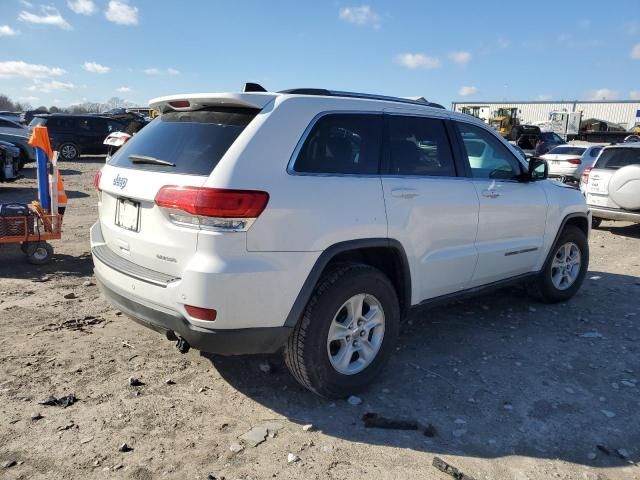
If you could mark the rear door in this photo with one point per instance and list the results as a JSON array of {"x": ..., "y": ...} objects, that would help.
[
  {"x": 177, "y": 148},
  {"x": 512, "y": 215},
  {"x": 430, "y": 209}
]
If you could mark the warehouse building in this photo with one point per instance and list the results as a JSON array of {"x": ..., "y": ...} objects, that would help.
[{"x": 626, "y": 113}]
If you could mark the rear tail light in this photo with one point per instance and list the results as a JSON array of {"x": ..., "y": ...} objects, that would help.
[
  {"x": 201, "y": 313},
  {"x": 574, "y": 161},
  {"x": 96, "y": 180},
  {"x": 180, "y": 104},
  {"x": 585, "y": 175},
  {"x": 212, "y": 208}
]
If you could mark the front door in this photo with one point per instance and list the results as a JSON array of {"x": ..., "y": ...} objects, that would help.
[{"x": 512, "y": 217}]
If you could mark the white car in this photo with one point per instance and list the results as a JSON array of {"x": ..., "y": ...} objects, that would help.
[
  {"x": 612, "y": 186},
  {"x": 315, "y": 220},
  {"x": 569, "y": 161}
]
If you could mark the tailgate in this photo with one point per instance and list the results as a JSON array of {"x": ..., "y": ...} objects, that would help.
[{"x": 136, "y": 229}]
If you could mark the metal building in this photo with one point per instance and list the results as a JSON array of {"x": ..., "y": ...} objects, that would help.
[{"x": 624, "y": 112}]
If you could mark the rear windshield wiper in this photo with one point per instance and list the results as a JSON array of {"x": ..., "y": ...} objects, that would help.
[{"x": 151, "y": 160}]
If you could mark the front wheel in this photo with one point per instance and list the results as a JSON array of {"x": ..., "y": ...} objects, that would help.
[
  {"x": 347, "y": 332},
  {"x": 38, "y": 253},
  {"x": 565, "y": 269}
]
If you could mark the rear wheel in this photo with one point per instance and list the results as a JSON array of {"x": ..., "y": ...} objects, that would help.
[
  {"x": 347, "y": 332},
  {"x": 69, "y": 151},
  {"x": 565, "y": 269}
]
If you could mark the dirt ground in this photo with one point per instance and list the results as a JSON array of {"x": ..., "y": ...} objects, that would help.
[{"x": 514, "y": 389}]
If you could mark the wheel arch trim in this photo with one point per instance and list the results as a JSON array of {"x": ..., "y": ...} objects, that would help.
[{"x": 328, "y": 254}]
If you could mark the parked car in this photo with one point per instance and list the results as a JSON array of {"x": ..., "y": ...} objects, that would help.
[
  {"x": 15, "y": 116},
  {"x": 569, "y": 161},
  {"x": 75, "y": 135},
  {"x": 527, "y": 141},
  {"x": 18, "y": 135},
  {"x": 313, "y": 221},
  {"x": 612, "y": 186}
]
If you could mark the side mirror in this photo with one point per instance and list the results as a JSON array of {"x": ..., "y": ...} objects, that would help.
[{"x": 538, "y": 169}]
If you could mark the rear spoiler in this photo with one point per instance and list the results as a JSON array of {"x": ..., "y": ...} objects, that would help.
[{"x": 186, "y": 102}]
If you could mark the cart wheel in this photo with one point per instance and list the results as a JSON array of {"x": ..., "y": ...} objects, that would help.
[{"x": 40, "y": 253}]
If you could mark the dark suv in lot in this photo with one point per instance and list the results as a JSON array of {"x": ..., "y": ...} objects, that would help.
[{"x": 75, "y": 135}]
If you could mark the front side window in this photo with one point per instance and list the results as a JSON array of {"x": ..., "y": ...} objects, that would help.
[
  {"x": 342, "y": 143},
  {"x": 488, "y": 157},
  {"x": 419, "y": 146}
]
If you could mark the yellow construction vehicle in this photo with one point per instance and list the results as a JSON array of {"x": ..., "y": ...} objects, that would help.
[{"x": 504, "y": 120}]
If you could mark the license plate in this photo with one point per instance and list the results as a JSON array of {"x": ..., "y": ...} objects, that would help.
[
  {"x": 128, "y": 214},
  {"x": 555, "y": 162},
  {"x": 597, "y": 200}
]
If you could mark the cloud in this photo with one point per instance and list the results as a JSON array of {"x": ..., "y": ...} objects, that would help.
[
  {"x": 29, "y": 98},
  {"x": 7, "y": 31},
  {"x": 94, "y": 67},
  {"x": 48, "y": 16},
  {"x": 461, "y": 58},
  {"x": 13, "y": 69},
  {"x": 362, "y": 15},
  {"x": 544, "y": 97},
  {"x": 173, "y": 71},
  {"x": 123, "y": 90},
  {"x": 26, "y": 4},
  {"x": 120, "y": 12},
  {"x": 467, "y": 91},
  {"x": 634, "y": 94},
  {"x": 603, "y": 94},
  {"x": 635, "y": 52},
  {"x": 417, "y": 60},
  {"x": 82, "y": 7},
  {"x": 43, "y": 86},
  {"x": 152, "y": 71}
]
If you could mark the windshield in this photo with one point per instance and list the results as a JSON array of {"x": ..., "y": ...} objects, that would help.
[
  {"x": 615, "y": 158},
  {"x": 567, "y": 151},
  {"x": 190, "y": 143}
]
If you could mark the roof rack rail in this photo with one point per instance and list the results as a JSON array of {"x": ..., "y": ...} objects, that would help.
[{"x": 334, "y": 93}]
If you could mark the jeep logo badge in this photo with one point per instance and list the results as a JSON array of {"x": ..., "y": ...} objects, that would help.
[{"x": 120, "y": 182}]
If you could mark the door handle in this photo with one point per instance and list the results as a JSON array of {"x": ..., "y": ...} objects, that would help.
[
  {"x": 490, "y": 193},
  {"x": 404, "y": 192}
]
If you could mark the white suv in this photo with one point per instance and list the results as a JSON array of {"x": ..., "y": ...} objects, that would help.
[{"x": 315, "y": 220}]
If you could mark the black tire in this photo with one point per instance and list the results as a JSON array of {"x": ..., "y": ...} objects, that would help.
[
  {"x": 69, "y": 151},
  {"x": 595, "y": 222},
  {"x": 38, "y": 253},
  {"x": 543, "y": 287},
  {"x": 306, "y": 352}
]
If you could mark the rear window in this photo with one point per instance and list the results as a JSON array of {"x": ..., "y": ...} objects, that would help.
[
  {"x": 190, "y": 143},
  {"x": 615, "y": 158},
  {"x": 567, "y": 151}
]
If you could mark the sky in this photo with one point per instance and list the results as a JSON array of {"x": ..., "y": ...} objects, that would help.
[{"x": 63, "y": 52}]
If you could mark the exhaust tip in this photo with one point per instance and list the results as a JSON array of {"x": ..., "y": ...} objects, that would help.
[{"x": 182, "y": 345}]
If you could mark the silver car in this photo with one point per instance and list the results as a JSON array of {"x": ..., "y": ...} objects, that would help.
[
  {"x": 569, "y": 161},
  {"x": 13, "y": 132},
  {"x": 612, "y": 186}
]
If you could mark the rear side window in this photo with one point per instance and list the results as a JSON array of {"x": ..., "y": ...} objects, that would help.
[
  {"x": 342, "y": 143},
  {"x": 190, "y": 143},
  {"x": 419, "y": 146},
  {"x": 615, "y": 158}
]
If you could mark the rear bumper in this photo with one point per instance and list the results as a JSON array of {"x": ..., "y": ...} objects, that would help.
[
  {"x": 173, "y": 325},
  {"x": 614, "y": 214}
]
